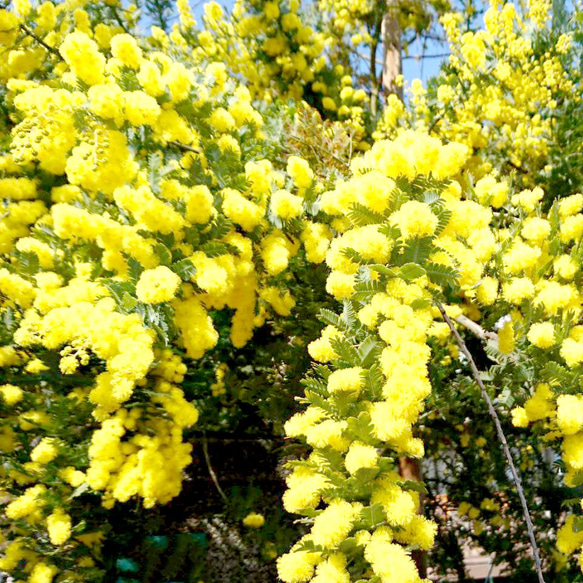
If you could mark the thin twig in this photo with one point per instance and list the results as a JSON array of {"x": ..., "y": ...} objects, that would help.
[
  {"x": 333, "y": 156},
  {"x": 119, "y": 19},
  {"x": 207, "y": 458},
  {"x": 40, "y": 41},
  {"x": 501, "y": 437},
  {"x": 517, "y": 167},
  {"x": 184, "y": 147}
]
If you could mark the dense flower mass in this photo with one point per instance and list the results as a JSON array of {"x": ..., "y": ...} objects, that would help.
[
  {"x": 363, "y": 403},
  {"x": 162, "y": 200}
]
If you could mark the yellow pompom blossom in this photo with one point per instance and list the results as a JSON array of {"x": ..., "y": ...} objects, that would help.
[
  {"x": 487, "y": 291},
  {"x": 569, "y": 413},
  {"x": 297, "y": 567},
  {"x": 10, "y": 394},
  {"x": 316, "y": 239},
  {"x": 286, "y": 205},
  {"x": 569, "y": 540},
  {"x": 332, "y": 526},
  {"x": 390, "y": 562},
  {"x": 42, "y": 573},
  {"x": 140, "y": 108},
  {"x": 300, "y": 171},
  {"x": 518, "y": 289},
  {"x": 572, "y": 352},
  {"x": 29, "y": 503},
  {"x": 347, "y": 379},
  {"x": 321, "y": 349},
  {"x": 304, "y": 485},
  {"x": 241, "y": 211},
  {"x": 157, "y": 285},
  {"x": 542, "y": 334},
  {"x": 538, "y": 407},
  {"x": 333, "y": 569},
  {"x": 360, "y": 456},
  {"x": 489, "y": 191},
  {"x": 125, "y": 48},
  {"x": 59, "y": 527},
  {"x": 415, "y": 219},
  {"x": 45, "y": 452},
  {"x": 82, "y": 54},
  {"x": 254, "y": 520},
  {"x": 506, "y": 341}
]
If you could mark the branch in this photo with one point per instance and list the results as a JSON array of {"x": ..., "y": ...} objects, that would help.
[
  {"x": 40, "y": 41},
  {"x": 373, "y": 78},
  {"x": 207, "y": 458},
  {"x": 501, "y": 437},
  {"x": 364, "y": 57},
  {"x": 421, "y": 57},
  {"x": 476, "y": 328},
  {"x": 433, "y": 124}
]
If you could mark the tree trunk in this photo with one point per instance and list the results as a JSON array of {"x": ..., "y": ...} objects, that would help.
[
  {"x": 410, "y": 469},
  {"x": 391, "y": 35}
]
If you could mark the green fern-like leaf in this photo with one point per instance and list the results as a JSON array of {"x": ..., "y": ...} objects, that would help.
[
  {"x": 431, "y": 198},
  {"x": 329, "y": 317},
  {"x": 347, "y": 354},
  {"x": 375, "y": 380},
  {"x": 349, "y": 315},
  {"x": 220, "y": 228},
  {"x": 411, "y": 271},
  {"x": 391, "y": 231},
  {"x": 384, "y": 270},
  {"x": 216, "y": 249},
  {"x": 322, "y": 371},
  {"x": 315, "y": 385},
  {"x": 365, "y": 290},
  {"x": 361, "y": 427},
  {"x": 369, "y": 351},
  {"x": 555, "y": 373},
  {"x": 399, "y": 196},
  {"x": 128, "y": 80},
  {"x": 360, "y": 216},
  {"x": 442, "y": 275},
  {"x": 155, "y": 160},
  {"x": 371, "y": 517},
  {"x": 354, "y": 256},
  {"x": 444, "y": 216},
  {"x": 414, "y": 251},
  {"x": 164, "y": 254}
]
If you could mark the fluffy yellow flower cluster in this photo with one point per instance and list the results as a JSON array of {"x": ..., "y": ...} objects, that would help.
[
  {"x": 371, "y": 386},
  {"x": 132, "y": 457},
  {"x": 280, "y": 55},
  {"x": 135, "y": 205},
  {"x": 498, "y": 85},
  {"x": 537, "y": 288},
  {"x": 293, "y": 51}
]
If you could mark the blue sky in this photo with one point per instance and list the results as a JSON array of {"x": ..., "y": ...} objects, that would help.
[{"x": 423, "y": 68}]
